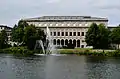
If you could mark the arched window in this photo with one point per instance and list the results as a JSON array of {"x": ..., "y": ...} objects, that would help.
[
  {"x": 66, "y": 42},
  {"x": 70, "y": 41},
  {"x": 78, "y": 43},
  {"x": 74, "y": 42},
  {"x": 54, "y": 41},
  {"x": 62, "y": 42},
  {"x": 58, "y": 42}
]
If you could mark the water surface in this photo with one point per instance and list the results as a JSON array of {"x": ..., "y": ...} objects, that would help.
[{"x": 59, "y": 67}]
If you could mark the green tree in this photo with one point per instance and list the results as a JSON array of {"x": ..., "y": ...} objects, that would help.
[
  {"x": 97, "y": 36},
  {"x": 115, "y": 36},
  {"x": 18, "y": 31},
  {"x": 22, "y": 24},
  {"x": 29, "y": 32},
  {"x": 40, "y": 35},
  {"x": 3, "y": 39},
  {"x": 103, "y": 36},
  {"x": 91, "y": 37},
  {"x": 27, "y": 35}
]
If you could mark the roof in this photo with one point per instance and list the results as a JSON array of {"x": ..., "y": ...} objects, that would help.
[
  {"x": 79, "y": 18},
  {"x": 5, "y": 26}
]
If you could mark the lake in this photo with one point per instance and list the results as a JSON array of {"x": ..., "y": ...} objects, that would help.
[{"x": 59, "y": 67}]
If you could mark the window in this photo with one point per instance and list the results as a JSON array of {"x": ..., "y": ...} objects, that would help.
[
  {"x": 54, "y": 33},
  {"x": 62, "y": 24},
  {"x": 66, "y": 33},
  {"x": 70, "y": 33},
  {"x": 86, "y": 24},
  {"x": 58, "y": 33},
  {"x": 80, "y": 24},
  {"x": 78, "y": 33},
  {"x": 82, "y": 33},
  {"x": 74, "y": 33},
  {"x": 51, "y": 33},
  {"x": 45, "y": 24},
  {"x": 82, "y": 46},
  {"x": 74, "y": 24},
  {"x": 40, "y": 24},
  {"x": 62, "y": 33},
  {"x": 56, "y": 24},
  {"x": 50, "y": 24},
  {"x": 68, "y": 24}
]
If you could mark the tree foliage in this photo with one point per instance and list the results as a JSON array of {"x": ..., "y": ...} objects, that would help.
[
  {"x": 29, "y": 31},
  {"x": 18, "y": 31},
  {"x": 115, "y": 36},
  {"x": 97, "y": 36},
  {"x": 27, "y": 34},
  {"x": 3, "y": 39}
]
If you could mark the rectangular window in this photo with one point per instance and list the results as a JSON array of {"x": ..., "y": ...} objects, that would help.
[
  {"x": 70, "y": 33},
  {"x": 74, "y": 34},
  {"x": 54, "y": 33},
  {"x": 62, "y": 33},
  {"x": 82, "y": 33},
  {"x": 66, "y": 33},
  {"x": 51, "y": 33},
  {"x": 58, "y": 33},
  {"x": 78, "y": 33}
]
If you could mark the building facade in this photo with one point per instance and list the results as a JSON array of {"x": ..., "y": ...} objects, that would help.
[
  {"x": 66, "y": 29},
  {"x": 8, "y": 31}
]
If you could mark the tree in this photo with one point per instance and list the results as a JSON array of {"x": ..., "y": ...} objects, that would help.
[
  {"x": 97, "y": 36},
  {"x": 18, "y": 31},
  {"x": 3, "y": 39},
  {"x": 29, "y": 32},
  {"x": 22, "y": 24},
  {"x": 26, "y": 34},
  {"x": 41, "y": 35},
  {"x": 92, "y": 35},
  {"x": 115, "y": 36},
  {"x": 103, "y": 36}
]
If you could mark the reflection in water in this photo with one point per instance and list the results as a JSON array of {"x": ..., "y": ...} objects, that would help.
[
  {"x": 65, "y": 67},
  {"x": 104, "y": 68},
  {"x": 59, "y": 67}
]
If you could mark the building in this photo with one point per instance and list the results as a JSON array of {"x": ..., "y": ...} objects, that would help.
[
  {"x": 66, "y": 29},
  {"x": 8, "y": 31}
]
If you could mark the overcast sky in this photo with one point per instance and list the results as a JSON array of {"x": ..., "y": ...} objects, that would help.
[{"x": 11, "y": 11}]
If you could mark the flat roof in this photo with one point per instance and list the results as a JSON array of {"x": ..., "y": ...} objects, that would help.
[{"x": 67, "y": 18}]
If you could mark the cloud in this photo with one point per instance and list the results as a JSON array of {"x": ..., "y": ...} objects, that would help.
[
  {"x": 12, "y": 11},
  {"x": 53, "y": 1}
]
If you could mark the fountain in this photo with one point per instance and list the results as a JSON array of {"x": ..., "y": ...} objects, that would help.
[
  {"x": 39, "y": 44},
  {"x": 50, "y": 48}
]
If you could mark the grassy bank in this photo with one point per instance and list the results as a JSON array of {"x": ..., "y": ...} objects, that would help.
[
  {"x": 19, "y": 51},
  {"x": 90, "y": 52},
  {"x": 23, "y": 51}
]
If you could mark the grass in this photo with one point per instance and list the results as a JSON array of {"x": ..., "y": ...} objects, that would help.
[
  {"x": 19, "y": 51},
  {"x": 23, "y": 51},
  {"x": 90, "y": 52}
]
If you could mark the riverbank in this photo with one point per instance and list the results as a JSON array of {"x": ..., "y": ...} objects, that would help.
[
  {"x": 19, "y": 51},
  {"x": 23, "y": 51},
  {"x": 91, "y": 52}
]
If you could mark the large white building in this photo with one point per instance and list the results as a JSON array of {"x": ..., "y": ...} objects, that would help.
[{"x": 65, "y": 29}]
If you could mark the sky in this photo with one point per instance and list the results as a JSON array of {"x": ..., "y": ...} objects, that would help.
[{"x": 11, "y": 11}]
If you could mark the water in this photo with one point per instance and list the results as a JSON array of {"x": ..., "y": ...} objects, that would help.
[
  {"x": 59, "y": 67},
  {"x": 51, "y": 49},
  {"x": 39, "y": 44}
]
